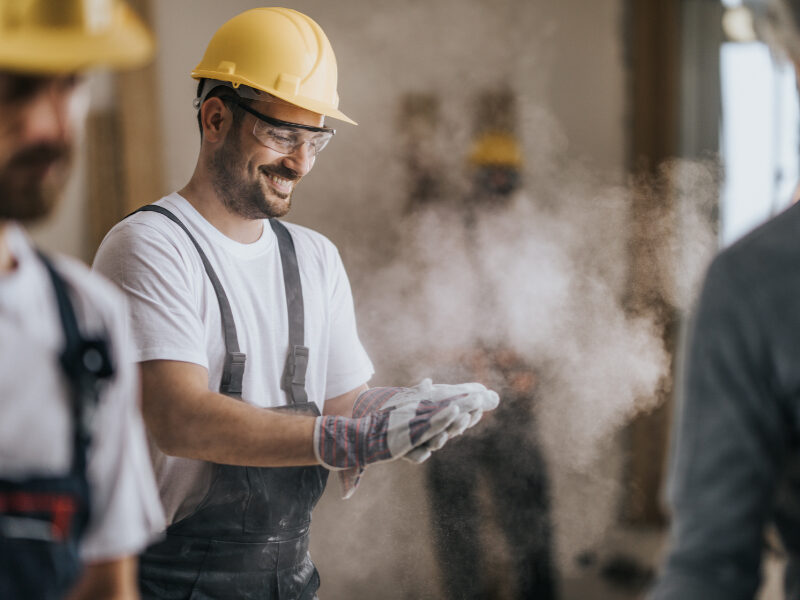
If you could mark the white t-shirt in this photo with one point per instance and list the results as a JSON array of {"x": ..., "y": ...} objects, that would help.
[
  {"x": 35, "y": 421},
  {"x": 175, "y": 316}
]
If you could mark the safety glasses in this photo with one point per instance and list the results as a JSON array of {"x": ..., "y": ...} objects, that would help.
[{"x": 286, "y": 137}]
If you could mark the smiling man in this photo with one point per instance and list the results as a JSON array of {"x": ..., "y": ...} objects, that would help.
[{"x": 254, "y": 378}]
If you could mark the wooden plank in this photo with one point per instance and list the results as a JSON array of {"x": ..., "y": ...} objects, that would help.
[
  {"x": 103, "y": 176},
  {"x": 124, "y": 157},
  {"x": 654, "y": 60},
  {"x": 140, "y": 129}
]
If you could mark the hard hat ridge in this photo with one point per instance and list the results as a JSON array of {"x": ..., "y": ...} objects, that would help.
[{"x": 496, "y": 149}]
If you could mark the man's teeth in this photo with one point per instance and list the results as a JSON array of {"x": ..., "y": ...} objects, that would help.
[{"x": 278, "y": 180}]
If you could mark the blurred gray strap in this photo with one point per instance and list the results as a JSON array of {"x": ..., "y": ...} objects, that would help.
[
  {"x": 233, "y": 367},
  {"x": 294, "y": 373}
]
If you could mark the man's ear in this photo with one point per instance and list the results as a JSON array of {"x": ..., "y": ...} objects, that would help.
[{"x": 216, "y": 119}]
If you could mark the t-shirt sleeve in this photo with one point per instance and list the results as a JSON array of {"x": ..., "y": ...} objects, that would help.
[
  {"x": 126, "y": 510},
  {"x": 349, "y": 365},
  {"x": 155, "y": 272}
]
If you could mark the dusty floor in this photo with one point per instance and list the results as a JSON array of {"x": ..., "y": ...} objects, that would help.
[
  {"x": 377, "y": 545},
  {"x": 621, "y": 569}
]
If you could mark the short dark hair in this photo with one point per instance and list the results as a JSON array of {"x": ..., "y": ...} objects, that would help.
[{"x": 227, "y": 96}]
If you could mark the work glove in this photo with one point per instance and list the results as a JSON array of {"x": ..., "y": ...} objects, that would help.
[
  {"x": 390, "y": 423},
  {"x": 475, "y": 410}
]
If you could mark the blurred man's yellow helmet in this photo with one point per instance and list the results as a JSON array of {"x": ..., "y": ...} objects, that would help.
[
  {"x": 279, "y": 51},
  {"x": 64, "y": 36},
  {"x": 496, "y": 149}
]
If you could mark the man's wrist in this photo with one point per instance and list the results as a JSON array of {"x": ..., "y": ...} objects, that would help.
[
  {"x": 373, "y": 399},
  {"x": 336, "y": 443}
]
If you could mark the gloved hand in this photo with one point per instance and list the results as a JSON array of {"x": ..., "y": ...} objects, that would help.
[
  {"x": 423, "y": 452},
  {"x": 426, "y": 410}
]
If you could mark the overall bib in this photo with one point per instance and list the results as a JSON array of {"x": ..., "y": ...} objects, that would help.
[
  {"x": 42, "y": 519},
  {"x": 248, "y": 537}
]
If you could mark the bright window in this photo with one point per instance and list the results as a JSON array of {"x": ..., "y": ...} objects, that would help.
[{"x": 760, "y": 123}]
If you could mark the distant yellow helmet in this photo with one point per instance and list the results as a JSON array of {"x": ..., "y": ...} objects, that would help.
[
  {"x": 496, "y": 149},
  {"x": 279, "y": 51},
  {"x": 65, "y": 36}
]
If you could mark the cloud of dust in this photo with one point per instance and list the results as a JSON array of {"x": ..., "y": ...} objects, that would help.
[{"x": 546, "y": 277}]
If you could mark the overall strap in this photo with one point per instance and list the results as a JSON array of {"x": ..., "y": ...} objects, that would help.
[
  {"x": 294, "y": 373},
  {"x": 293, "y": 381},
  {"x": 86, "y": 361},
  {"x": 233, "y": 369}
]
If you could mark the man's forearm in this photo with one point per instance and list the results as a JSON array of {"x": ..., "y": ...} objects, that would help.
[
  {"x": 228, "y": 431},
  {"x": 186, "y": 419}
]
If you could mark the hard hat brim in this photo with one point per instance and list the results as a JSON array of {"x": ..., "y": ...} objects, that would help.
[
  {"x": 303, "y": 102},
  {"x": 125, "y": 44},
  {"x": 496, "y": 149}
]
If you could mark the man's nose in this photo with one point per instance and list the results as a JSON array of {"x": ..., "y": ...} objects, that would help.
[
  {"x": 46, "y": 119},
  {"x": 301, "y": 159}
]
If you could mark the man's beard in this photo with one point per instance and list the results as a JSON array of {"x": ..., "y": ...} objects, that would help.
[
  {"x": 31, "y": 182},
  {"x": 247, "y": 198}
]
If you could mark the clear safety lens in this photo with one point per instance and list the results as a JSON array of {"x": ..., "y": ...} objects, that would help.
[{"x": 287, "y": 140}]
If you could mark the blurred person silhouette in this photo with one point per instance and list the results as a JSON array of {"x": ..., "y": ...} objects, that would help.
[
  {"x": 504, "y": 450},
  {"x": 736, "y": 446},
  {"x": 77, "y": 496},
  {"x": 236, "y": 312}
]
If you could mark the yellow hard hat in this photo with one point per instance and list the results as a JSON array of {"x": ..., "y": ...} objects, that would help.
[
  {"x": 279, "y": 51},
  {"x": 65, "y": 36},
  {"x": 496, "y": 149}
]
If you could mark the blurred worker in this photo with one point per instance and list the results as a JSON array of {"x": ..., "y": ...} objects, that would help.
[
  {"x": 235, "y": 312},
  {"x": 736, "y": 452},
  {"x": 77, "y": 496},
  {"x": 504, "y": 450}
]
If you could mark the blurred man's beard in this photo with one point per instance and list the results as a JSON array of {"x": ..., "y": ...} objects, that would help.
[
  {"x": 251, "y": 199},
  {"x": 32, "y": 181}
]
